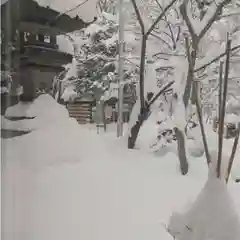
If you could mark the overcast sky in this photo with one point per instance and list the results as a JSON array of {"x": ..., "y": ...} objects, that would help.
[{"x": 86, "y": 11}]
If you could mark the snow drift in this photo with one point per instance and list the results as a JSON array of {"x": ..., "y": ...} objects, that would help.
[
  {"x": 44, "y": 111},
  {"x": 212, "y": 216}
]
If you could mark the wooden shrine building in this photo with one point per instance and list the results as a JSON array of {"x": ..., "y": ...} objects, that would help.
[{"x": 29, "y": 43}]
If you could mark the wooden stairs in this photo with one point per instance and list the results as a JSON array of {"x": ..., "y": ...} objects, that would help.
[{"x": 82, "y": 112}]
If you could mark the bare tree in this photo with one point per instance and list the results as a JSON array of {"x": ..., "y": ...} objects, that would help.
[
  {"x": 145, "y": 106},
  {"x": 195, "y": 40},
  {"x": 223, "y": 86},
  {"x": 192, "y": 46}
]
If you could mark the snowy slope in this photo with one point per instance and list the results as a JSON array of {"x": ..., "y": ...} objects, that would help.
[
  {"x": 70, "y": 183},
  {"x": 111, "y": 194}
]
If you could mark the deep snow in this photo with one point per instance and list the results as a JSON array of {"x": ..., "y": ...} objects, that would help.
[{"x": 63, "y": 181}]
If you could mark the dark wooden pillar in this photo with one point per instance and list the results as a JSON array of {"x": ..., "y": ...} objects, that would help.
[
  {"x": 27, "y": 81},
  {"x": 53, "y": 40},
  {"x": 32, "y": 38},
  {"x": 21, "y": 41},
  {"x": 41, "y": 38}
]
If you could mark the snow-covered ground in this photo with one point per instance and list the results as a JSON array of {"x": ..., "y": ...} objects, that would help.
[{"x": 64, "y": 181}]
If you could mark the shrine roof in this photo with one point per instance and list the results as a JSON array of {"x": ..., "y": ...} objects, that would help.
[{"x": 16, "y": 12}]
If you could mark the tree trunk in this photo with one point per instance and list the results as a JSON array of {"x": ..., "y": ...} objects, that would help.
[
  {"x": 135, "y": 130},
  {"x": 190, "y": 76},
  {"x": 142, "y": 72},
  {"x": 181, "y": 151},
  {"x": 143, "y": 114}
]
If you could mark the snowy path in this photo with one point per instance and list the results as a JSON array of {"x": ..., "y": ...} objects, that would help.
[{"x": 89, "y": 187}]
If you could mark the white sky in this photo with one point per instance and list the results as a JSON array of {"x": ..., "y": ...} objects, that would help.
[{"x": 86, "y": 11}]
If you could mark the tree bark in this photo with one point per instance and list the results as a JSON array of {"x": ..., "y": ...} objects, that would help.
[
  {"x": 181, "y": 151},
  {"x": 136, "y": 128},
  {"x": 142, "y": 71},
  {"x": 142, "y": 116},
  {"x": 134, "y": 133}
]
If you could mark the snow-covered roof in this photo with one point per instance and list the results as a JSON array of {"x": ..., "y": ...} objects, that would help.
[{"x": 85, "y": 9}]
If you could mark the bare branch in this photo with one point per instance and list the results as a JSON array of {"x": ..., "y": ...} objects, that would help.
[
  {"x": 99, "y": 4},
  {"x": 168, "y": 54},
  {"x": 209, "y": 94},
  {"x": 201, "y": 8},
  {"x": 187, "y": 46},
  {"x": 234, "y": 149},
  {"x": 178, "y": 33},
  {"x": 160, "y": 16},
  {"x": 216, "y": 59},
  {"x": 162, "y": 40},
  {"x": 196, "y": 38},
  {"x": 126, "y": 59},
  {"x": 140, "y": 20},
  {"x": 223, "y": 107},
  {"x": 213, "y": 18},
  {"x": 167, "y": 34},
  {"x": 230, "y": 15},
  {"x": 191, "y": 55},
  {"x": 183, "y": 11},
  {"x": 168, "y": 24},
  {"x": 161, "y": 91},
  {"x": 197, "y": 100},
  {"x": 220, "y": 129},
  {"x": 204, "y": 138}
]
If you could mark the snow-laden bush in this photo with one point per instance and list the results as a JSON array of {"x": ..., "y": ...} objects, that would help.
[{"x": 69, "y": 94}]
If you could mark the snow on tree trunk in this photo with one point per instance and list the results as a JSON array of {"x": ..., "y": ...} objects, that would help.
[
  {"x": 179, "y": 115},
  {"x": 212, "y": 216},
  {"x": 133, "y": 125},
  {"x": 135, "y": 112}
]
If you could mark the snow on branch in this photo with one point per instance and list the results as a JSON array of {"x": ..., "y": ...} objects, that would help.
[
  {"x": 169, "y": 27},
  {"x": 139, "y": 17},
  {"x": 211, "y": 16},
  {"x": 198, "y": 28},
  {"x": 161, "y": 91},
  {"x": 186, "y": 18},
  {"x": 215, "y": 59},
  {"x": 160, "y": 16}
]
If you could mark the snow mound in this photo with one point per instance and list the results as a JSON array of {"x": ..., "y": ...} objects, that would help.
[
  {"x": 18, "y": 110},
  {"x": 105, "y": 193},
  {"x": 212, "y": 216},
  {"x": 195, "y": 148},
  {"x": 147, "y": 134},
  {"x": 44, "y": 111},
  {"x": 50, "y": 145},
  {"x": 39, "y": 106}
]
